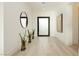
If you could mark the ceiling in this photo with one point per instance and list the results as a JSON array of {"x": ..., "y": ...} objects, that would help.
[{"x": 43, "y": 6}]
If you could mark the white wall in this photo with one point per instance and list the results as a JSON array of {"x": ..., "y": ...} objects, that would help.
[
  {"x": 1, "y": 28},
  {"x": 66, "y": 36},
  {"x": 75, "y": 23},
  {"x": 12, "y": 26}
]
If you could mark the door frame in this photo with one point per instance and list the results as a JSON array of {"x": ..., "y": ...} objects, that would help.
[{"x": 38, "y": 26}]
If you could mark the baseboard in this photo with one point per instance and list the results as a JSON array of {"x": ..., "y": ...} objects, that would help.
[{"x": 68, "y": 44}]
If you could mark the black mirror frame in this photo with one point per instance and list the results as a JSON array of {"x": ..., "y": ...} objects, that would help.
[{"x": 23, "y": 17}]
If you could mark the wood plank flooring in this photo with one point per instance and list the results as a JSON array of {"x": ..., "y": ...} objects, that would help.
[{"x": 47, "y": 46}]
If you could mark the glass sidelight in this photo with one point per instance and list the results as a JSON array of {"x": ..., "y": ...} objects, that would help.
[{"x": 43, "y": 26}]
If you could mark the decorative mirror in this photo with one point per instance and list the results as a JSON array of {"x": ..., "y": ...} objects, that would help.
[
  {"x": 23, "y": 19},
  {"x": 60, "y": 23}
]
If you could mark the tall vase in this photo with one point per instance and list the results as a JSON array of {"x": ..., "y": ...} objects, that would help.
[
  {"x": 23, "y": 45},
  {"x": 29, "y": 38},
  {"x": 33, "y": 34}
]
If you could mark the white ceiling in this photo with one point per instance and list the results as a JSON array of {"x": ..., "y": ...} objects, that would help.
[{"x": 42, "y": 6}]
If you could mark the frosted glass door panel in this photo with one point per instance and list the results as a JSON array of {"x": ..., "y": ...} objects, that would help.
[{"x": 43, "y": 26}]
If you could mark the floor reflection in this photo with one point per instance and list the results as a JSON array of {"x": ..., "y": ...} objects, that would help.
[{"x": 48, "y": 46}]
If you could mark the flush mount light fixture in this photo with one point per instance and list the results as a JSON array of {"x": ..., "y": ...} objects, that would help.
[
  {"x": 23, "y": 19},
  {"x": 43, "y": 2}
]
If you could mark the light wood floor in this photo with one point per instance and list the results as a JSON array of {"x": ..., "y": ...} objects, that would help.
[{"x": 44, "y": 46}]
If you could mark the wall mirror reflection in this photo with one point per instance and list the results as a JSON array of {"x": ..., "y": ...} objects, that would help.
[{"x": 23, "y": 19}]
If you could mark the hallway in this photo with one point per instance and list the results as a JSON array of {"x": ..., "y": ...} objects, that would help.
[
  {"x": 40, "y": 19},
  {"x": 47, "y": 46}
]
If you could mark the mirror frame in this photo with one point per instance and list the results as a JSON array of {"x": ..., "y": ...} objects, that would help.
[{"x": 23, "y": 17}]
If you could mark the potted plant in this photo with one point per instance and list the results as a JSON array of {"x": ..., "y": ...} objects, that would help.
[{"x": 23, "y": 42}]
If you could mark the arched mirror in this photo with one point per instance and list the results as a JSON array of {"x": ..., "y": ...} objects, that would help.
[{"x": 23, "y": 19}]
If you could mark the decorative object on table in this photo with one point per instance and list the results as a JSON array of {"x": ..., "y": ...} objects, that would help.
[
  {"x": 23, "y": 19},
  {"x": 23, "y": 42},
  {"x": 29, "y": 36},
  {"x": 60, "y": 23},
  {"x": 33, "y": 34}
]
